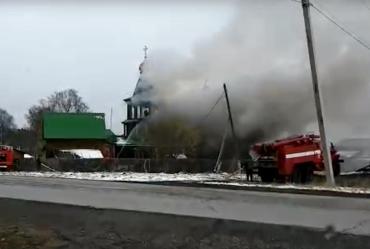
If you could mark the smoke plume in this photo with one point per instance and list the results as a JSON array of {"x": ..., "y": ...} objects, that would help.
[{"x": 262, "y": 56}]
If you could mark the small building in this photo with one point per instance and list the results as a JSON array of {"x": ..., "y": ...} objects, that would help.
[
  {"x": 69, "y": 131},
  {"x": 20, "y": 154}
]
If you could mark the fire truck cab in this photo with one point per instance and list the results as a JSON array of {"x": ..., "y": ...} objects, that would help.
[
  {"x": 291, "y": 159},
  {"x": 7, "y": 160}
]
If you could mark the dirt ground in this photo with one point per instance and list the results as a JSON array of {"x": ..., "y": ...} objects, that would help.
[
  {"x": 26, "y": 225},
  {"x": 28, "y": 237}
]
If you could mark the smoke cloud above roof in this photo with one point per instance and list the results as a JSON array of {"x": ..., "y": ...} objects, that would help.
[{"x": 262, "y": 56}]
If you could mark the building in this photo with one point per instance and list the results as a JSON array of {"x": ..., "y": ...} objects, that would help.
[
  {"x": 356, "y": 154},
  {"x": 138, "y": 105},
  {"x": 137, "y": 110},
  {"x": 68, "y": 131}
]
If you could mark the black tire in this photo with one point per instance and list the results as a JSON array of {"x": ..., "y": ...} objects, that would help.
[
  {"x": 302, "y": 174},
  {"x": 297, "y": 174},
  {"x": 267, "y": 175},
  {"x": 309, "y": 176}
]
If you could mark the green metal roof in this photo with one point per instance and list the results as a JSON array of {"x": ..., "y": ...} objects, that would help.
[
  {"x": 74, "y": 126},
  {"x": 110, "y": 136}
]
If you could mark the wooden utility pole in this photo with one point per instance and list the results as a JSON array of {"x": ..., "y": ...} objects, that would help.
[
  {"x": 235, "y": 138},
  {"x": 111, "y": 118},
  {"x": 221, "y": 152},
  {"x": 318, "y": 101},
  {"x": 1, "y": 133}
]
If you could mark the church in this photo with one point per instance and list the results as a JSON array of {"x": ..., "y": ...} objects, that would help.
[{"x": 138, "y": 105}]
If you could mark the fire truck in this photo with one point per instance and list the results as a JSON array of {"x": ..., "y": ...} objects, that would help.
[
  {"x": 291, "y": 159},
  {"x": 8, "y": 159}
]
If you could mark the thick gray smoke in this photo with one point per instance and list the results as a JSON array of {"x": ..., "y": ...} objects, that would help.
[{"x": 262, "y": 56}]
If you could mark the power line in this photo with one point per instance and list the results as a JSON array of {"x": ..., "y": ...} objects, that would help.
[
  {"x": 353, "y": 36},
  {"x": 366, "y": 4},
  {"x": 331, "y": 19},
  {"x": 211, "y": 109}
]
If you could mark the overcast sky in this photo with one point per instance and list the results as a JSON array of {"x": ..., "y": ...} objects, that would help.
[
  {"x": 96, "y": 46},
  {"x": 93, "y": 47}
]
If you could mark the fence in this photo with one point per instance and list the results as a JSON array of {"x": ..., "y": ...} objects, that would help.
[{"x": 122, "y": 165}]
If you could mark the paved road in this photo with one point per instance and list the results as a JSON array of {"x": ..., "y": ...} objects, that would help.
[{"x": 347, "y": 215}]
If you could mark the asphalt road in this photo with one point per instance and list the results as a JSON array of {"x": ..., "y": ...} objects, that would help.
[{"x": 343, "y": 214}]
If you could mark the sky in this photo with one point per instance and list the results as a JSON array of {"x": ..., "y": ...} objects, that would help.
[
  {"x": 262, "y": 56},
  {"x": 259, "y": 47},
  {"x": 91, "y": 46}
]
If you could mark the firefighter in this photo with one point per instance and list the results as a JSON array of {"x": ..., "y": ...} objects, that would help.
[{"x": 249, "y": 172}]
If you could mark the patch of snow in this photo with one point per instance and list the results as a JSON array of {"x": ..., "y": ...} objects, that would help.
[
  {"x": 85, "y": 153},
  {"x": 120, "y": 141},
  {"x": 133, "y": 176},
  {"x": 27, "y": 156},
  {"x": 181, "y": 156},
  {"x": 222, "y": 179}
]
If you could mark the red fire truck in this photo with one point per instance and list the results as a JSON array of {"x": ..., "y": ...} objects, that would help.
[
  {"x": 8, "y": 159},
  {"x": 291, "y": 159}
]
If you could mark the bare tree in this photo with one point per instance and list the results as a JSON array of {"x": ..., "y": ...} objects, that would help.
[
  {"x": 67, "y": 101},
  {"x": 6, "y": 125}
]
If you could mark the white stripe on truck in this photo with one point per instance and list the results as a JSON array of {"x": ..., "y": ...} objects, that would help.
[{"x": 302, "y": 154}]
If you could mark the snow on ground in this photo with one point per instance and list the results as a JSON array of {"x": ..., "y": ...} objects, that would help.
[
  {"x": 85, "y": 153},
  {"x": 133, "y": 176},
  {"x": 222, "y": 179}
]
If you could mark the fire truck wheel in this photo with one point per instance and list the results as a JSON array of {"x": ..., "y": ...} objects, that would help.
[
  {"x": 309, "y": 174},
  {"x": 296, "y": 177},
  {"x": 267, "y": 175},
  {"x": 303, "y": 173}
]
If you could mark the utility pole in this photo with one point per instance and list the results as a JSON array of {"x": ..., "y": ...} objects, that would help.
[
  {"x": 318, "y": 102},
  {"x": 236, "y": 141},
  {"x": 221, "y": 152},
  {"x": 111, "y": 117},
  {"x": 1, "y": 133}
]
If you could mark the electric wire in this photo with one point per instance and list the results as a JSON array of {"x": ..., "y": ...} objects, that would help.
[
  {"x": 332, "y": 20},
  {"x": 201, "y": 120}
]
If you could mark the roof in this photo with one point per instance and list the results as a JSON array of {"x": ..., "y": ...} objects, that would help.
[
  {"x": 74, "y": 126},
  {"x": 355, "y": 152},
  {"x": 110, "y": 136},
  {"x": 143, "y": 89},
  {"x": 127, "y": 121},
  {"x": 127, "y": 99}
]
